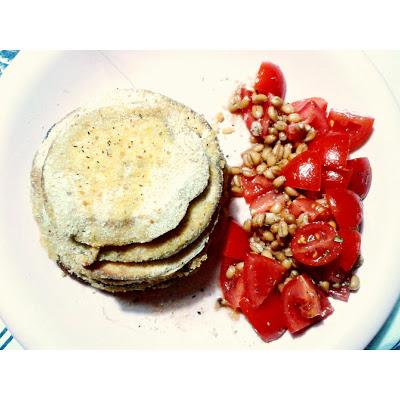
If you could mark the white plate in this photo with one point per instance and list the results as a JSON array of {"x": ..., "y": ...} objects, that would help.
[{"x": 43, "y": 309}]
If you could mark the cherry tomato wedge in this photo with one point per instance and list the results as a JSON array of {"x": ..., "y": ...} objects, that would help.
[
  {"x": 342, "y": 293},
  {"x": 314, "y": 210},
  {"x": 302, "y": 304},
  {"x": 254, "y": 187},
  {"x": 361, "y": 176},
  {"x": 351, "y": 248},
  {"x": 315, "y": 244},
  {"x": 270, "y": 79},
  {"x": 335, "y": 178},
  {"x": 346, "y": 207},
  {"x": 333, "y": 149},
  {"x": 267, "y": 320},
  {"x": 233, "y": 288},
  {"x": 314, "y": 116},
  {"x": 320, "y": 102},
  {"x": 304, "y": 171},
  {"x": 261, "y": 275},
  {"x": 357, "y": 127},
  {"x": 264, "y": 202},
  {"x": 237, "y": 242}
]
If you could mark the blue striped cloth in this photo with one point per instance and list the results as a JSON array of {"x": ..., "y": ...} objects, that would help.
[{"x": 388, "y": 337}]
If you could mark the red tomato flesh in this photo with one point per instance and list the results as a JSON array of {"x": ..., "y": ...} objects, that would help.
[
  {"x": 351, "y": 248},
  {"x": 333, "y": 149},
  {"x": 302, "y": 304},
  {"x": 357, "y": 127},
  {"x": 268, "y": 320},
  {"x": 315, "y": 211},
  {"x": 270, "y": 79},
  {"x": 361, "y": 176},
  {"x": 233, "y": 288},
  {"x": 254, "y": 187},
  {"x": 346, "y": 207},
  {"x": 261, "y": 275},
  {"x": 314, "y": 116},
  {"x": 335, "y": 178},
  {"x": 304, "y": 171},
  {"x": 300, "y": 104},
  {"x": 237, "y": 242},
  {"x": 314, "y": 244},
  {"x": 342, "y": 294},
  {"x": 264, "y": 202}
]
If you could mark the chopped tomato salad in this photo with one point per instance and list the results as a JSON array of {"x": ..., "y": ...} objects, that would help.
[{"x": 302, "y": 244}]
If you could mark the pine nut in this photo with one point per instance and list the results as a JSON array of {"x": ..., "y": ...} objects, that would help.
[
  {"x": 280, "y": 126},
  {"x": 274, "y": 228},
  {"x": 269, "y": 139},
  {"x": 236, "y": 181},
  {"x": 307, "y": 127},
  {"x": 244, "y": 102},
  {"x": 259, "y": 98},
  {"x": 253, "y": 139},
  {"x": 310, "y": 135},
  {"x": 294, "y": 117},
  {"x": 264, "y": 154},
  {"x": 257, "y": 111},
  {"x": 271, "y": 218},
  {"x": 354, "y": 283},
  {"x": 276, "y": 101},
  {"x": 275, "y": 245},
  {"x": 219, "y": 117},
  {"x": 277, "y": 148},
  {"x": 279, "y": 256},
  {"x": 267, "y": 253},
  {"x": 292, "y": 228},
  {"x": 261, "y": 168},
  {"x": 233, "y": 107},
  {"x": 247, "y": 225},
  {"x": 301, "y": 148},
  {"x": 288, "y": 252},
  {"x": 272, "y": 113},
  {"x": 283, "y": 229},
  {"x": 283, "y": 162},
  {"x": 276, "y": 169},
  {"x": 248, "y": 172},
  {"x": 239, "y": 266},
  {"x": 273, "y": 131},
  {"x": 227, "y": 130},
  {"x": 258, "y": 147},
  {"x": 282, "y": 136},
  {"x": 256, "y": 128},
  {"x": 255, "y": 157},
  {"x": 291, "y": 156},
  {"x": 235, "y": 170},
  {"x": 278, "y": 182},
  {"x": 230, "y": 272},
  {"x": 286, "y": 263},
  {"x": 290, "y": 218},
  {"x": 293, "y": 272},
  {"x": 324, "y": 285},
  {"x": 269, "y": 174},
  {"x": 256, "y": 247},
  {"x": 276, "y": 208},
  {"x": 258, "y": 220},
  {"x": 287, "y": 108},
  {"x": 302, "y": 219},
  {"x": 237, "y": 190},
  {"x": 291, "y": 192},
  {"x": 268, "y": 236},
  {"x": 271, "y": 160}
]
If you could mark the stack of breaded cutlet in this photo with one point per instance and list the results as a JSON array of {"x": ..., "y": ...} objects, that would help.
[{"x": 126, "y": 190}]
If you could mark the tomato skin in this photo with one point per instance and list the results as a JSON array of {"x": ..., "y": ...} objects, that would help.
[
  {"x": 261, "y": 275},
  {"x": 315, "y": 211},
  {"x": 357, "y": 127},
  {"x": 232, "y": 289},
  {"x": 237, "y": 242},
  {"x": 314, "y": 244},
  {"x": 304, "y": 171},
  {"x": 333, "y": 149},
  {"x": 314, "y": 116},
  {"x": 335, "y": 178},
  {"x": 264, "y": 202},
  {"x": 302, "y": 304},
  {"x": 270, "y": 79},
  {"x": 361, "y": 176},
  {"x": 254, "y": 187},
  {"x": 300, "y": 104},
  {"x": 346, "y": 207},
  {"x": 351, "y": 249},
  {"x": 268, "y": 319}
]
